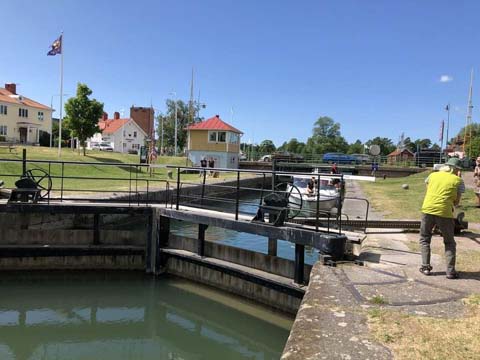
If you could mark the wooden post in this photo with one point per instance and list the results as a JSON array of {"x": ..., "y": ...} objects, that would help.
[
  {"x": 299, "y": 263},
  {"x": 201, "y": 239},
  {"x": 161, "y": 241},
  {"x": 96, "y": 229},
  {"x": 149, "y": 246},
  {"x": 272, "y": 242}
]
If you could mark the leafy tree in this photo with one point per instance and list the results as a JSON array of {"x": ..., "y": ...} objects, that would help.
[
  {"x": 326, "y": 137},
  {"x": 356, "y": 148},
  {"x": 386, "y": 144},
  {"x": 267, "y": 147},
  {"x": 292, "y": 146},
  {"x": 183, "y": 120},
  {"x": 82, "y": 115},
  {"x": 65, "y": 133}
]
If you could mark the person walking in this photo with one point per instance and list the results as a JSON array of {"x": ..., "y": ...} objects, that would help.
[
  {"x": 476, "y": 181},
  {"x": 203, "y": 164},
  {"x": 444, "y": 191},
  {"x": 334, "y": 169}
]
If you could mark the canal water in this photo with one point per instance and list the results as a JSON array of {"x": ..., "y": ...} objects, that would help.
[
  {"x": 248, "y": 206},
  {"x": 71, "y": 315}
]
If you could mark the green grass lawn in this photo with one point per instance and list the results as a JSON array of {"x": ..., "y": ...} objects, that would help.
[
  {"x": 116, "y": 177},
  {"x": 388, "y": 197}
]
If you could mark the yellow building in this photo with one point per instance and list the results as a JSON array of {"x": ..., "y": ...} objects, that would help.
[
  {"x": 214, "y": 139},
  {"x": 22, "y": 119}
]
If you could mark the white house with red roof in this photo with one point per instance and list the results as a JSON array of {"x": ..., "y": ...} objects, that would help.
[
  {"x": 124, "y": 135},
  {"x": 22, "y": 119},
  {"x": 214, "y": 139}
]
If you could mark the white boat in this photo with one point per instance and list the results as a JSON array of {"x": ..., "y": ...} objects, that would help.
[{"x": 329, "y": 193}]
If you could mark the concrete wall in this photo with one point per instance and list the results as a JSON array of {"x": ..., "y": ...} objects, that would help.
[
  {"x": 271, "y": 264},
  {"x": 98, "y": 262},
  {"x": 234, "y": 285}
]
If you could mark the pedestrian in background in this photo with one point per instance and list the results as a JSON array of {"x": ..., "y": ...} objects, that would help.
[
  {"x": 203, "y": 165},
  {"x": 444, "y": 191},
  {"x": 476, "y": 180}
]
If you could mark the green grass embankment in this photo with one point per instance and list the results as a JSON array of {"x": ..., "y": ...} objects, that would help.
[
  {"x": 118, "y": 174},
  {"x": 394, "y": 202}
]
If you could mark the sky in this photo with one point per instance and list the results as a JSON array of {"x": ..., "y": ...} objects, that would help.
[{"x": 377, "y": 67}]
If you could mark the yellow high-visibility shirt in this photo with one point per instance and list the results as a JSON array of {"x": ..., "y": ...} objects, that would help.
[{"x": 442, "y": 191}]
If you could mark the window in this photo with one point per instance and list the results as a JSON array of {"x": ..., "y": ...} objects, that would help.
[
  {"x": 134, "y": 134},
  {"x": 217, "y": 136},
  {"x": 135, "y": 146},
  {"x": 212, "y": 136},
  {"x": 222, "y": 136},
  {"x": 234, "y": 138},
  {"x": 3, "y": 130},
  {"x": 40, "y": 115},
  {"x": 3, "y": 109},
  {"x": 23, "y": 113}
]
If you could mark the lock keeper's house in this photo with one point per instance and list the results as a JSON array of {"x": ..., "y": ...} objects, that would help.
[{"x": 214, "y": 138}]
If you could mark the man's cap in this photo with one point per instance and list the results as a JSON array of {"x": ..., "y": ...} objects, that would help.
[{"x": 454, "y": 162}]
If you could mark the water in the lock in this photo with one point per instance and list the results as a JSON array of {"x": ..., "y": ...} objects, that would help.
[{"x": 131, "y": 316}]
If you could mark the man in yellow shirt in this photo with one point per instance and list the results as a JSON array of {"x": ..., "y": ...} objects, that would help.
[{"x": 444, "y": 191}]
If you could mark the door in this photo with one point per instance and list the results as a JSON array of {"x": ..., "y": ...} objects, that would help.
[{"x": 23, "y": 135}]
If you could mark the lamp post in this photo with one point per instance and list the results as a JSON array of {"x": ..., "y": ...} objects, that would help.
[{"x": 176, "y": 125}]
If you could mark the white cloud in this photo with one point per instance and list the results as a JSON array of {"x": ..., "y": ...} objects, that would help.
[{"x": 445, "y": 78}]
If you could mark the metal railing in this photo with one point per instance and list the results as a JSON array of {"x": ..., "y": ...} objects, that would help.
[
  {"x": 135, "y": 188},
  {"x": 229, "y": 194}
]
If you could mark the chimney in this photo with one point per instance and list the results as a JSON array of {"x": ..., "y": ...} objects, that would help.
[
  {"x": 104, "y": 116},
  {"x": 116, "y": 115},
  {"x": 12, "y": 87}
]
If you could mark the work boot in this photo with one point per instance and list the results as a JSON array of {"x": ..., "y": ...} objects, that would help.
[
  {"x": 426, "y": 270},
  {"x": 452, "y": 275}
]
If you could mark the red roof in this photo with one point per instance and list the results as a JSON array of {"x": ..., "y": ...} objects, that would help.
[
  {"x": 111, "y": 126},
  {"x": 214, "y": 123},
  {"x": 400, "y": 152},
  {"x": 8, "y": 97}
]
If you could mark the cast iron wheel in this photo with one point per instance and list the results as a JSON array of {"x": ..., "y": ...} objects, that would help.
[
  {"x": 42, "y": 179},
  {"x": 293, "y": 208}
]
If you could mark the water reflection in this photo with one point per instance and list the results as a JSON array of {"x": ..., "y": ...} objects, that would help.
[{"x": 131, "y": 316}]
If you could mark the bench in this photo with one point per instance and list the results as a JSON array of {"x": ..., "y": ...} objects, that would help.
[{"x": 9, "y": 146}]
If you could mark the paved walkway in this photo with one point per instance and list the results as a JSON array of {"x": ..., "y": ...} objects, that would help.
[{"x": 332, "y": 320}]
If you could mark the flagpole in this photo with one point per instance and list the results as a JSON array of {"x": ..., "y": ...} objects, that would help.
[
  {"x": 61, "y": 100},
  {"x": 448, "y": 125}
]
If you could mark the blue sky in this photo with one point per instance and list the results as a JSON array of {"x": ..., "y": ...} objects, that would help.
[{"x": 373, "y": 66}]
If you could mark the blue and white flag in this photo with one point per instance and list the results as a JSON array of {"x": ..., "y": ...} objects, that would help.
[{"x": 56, "y": 47}]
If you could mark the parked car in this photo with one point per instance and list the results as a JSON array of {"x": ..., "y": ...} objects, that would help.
[
  {"x": 105, "y": 147},
  {"x": 362, "y": 158},
  {"x": 94, "y": 146},
  {"x": 266, "y": 158},
  {"x": 339, "y": 158},
  {"x": 242, "y": 156}
]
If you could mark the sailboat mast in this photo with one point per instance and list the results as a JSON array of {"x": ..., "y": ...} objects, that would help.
[
  {"x": 190, "y": 110},
  {"x": 468, "y": 125}
]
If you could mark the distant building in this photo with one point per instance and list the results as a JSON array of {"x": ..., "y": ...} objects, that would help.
[
  {"x": 123, "y": 135},
  {"x": 400, "y": 155},
  {"x": 22, "y": 119},
  {"x": 214, "y": 138},
  {"x": 145, "y": 118}
]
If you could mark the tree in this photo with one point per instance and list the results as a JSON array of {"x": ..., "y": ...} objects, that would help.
[
  {"x": 356, "y": 148},
  {"x": 65, "y": 133},
  {"x": 267, "y": 147},
  {"x": 326, "y": 137},
  {"x": 386, "y": 144},
  {"x": 82, "y": 115},
  {"x": 183, "y": 120}
]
